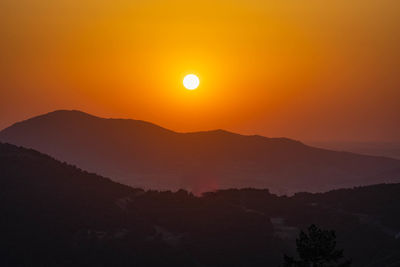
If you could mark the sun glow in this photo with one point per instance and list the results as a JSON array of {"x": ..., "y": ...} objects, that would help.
[{"x": 191, "y": 82}]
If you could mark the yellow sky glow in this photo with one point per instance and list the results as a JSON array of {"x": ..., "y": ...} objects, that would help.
[{"x": 315, "y": 70}]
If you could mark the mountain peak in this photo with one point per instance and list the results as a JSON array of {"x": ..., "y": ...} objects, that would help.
[
  {"x": 65, "y": 113},
  {"x": 69, "y": 112},
  {"x": 143, "y": 154}
]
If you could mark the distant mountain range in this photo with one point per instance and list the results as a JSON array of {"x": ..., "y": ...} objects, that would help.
[
  {"x": 385, "y": 149},
  {"x": 142, "y": 154},
  {"x": 54, "y": 214}
]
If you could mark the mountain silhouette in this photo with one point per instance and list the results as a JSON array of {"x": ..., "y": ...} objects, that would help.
[
  {"x": 142, "y": 154},
  {"x": 55, "y": 214}
]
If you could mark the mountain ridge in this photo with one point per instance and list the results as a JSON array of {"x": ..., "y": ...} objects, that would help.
[
  {"x": 55, "y": 214},
  {"x": 143, "y": 154},
  {"x": 82, "y": 114}
]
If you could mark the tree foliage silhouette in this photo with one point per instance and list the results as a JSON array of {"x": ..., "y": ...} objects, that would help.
[{"x": 317, "y": 248}]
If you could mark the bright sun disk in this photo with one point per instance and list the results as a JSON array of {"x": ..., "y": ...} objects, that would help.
[{"x": 191, "y": 81}]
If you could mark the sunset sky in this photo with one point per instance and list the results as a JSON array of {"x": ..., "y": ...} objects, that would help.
[{"x": 308, "y": 70}]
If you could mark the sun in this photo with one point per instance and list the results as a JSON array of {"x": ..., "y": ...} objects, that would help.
[{"x": 191, "y": 81}]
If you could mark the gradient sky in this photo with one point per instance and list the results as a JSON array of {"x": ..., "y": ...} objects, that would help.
[{"x": 308, "y": 70}]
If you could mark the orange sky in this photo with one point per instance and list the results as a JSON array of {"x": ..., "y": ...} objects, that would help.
[{"x": 309, "y": 70}]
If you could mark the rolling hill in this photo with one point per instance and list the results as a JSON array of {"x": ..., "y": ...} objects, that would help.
[
  {"x": 145, "y": 155},
  {"x": 54, "y": 214}
]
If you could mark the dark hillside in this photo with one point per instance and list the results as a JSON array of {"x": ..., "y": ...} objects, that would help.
[{"x": 141, "y": 154}]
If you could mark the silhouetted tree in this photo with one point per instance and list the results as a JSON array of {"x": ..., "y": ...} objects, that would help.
[{"x": 317, "y": 248}]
